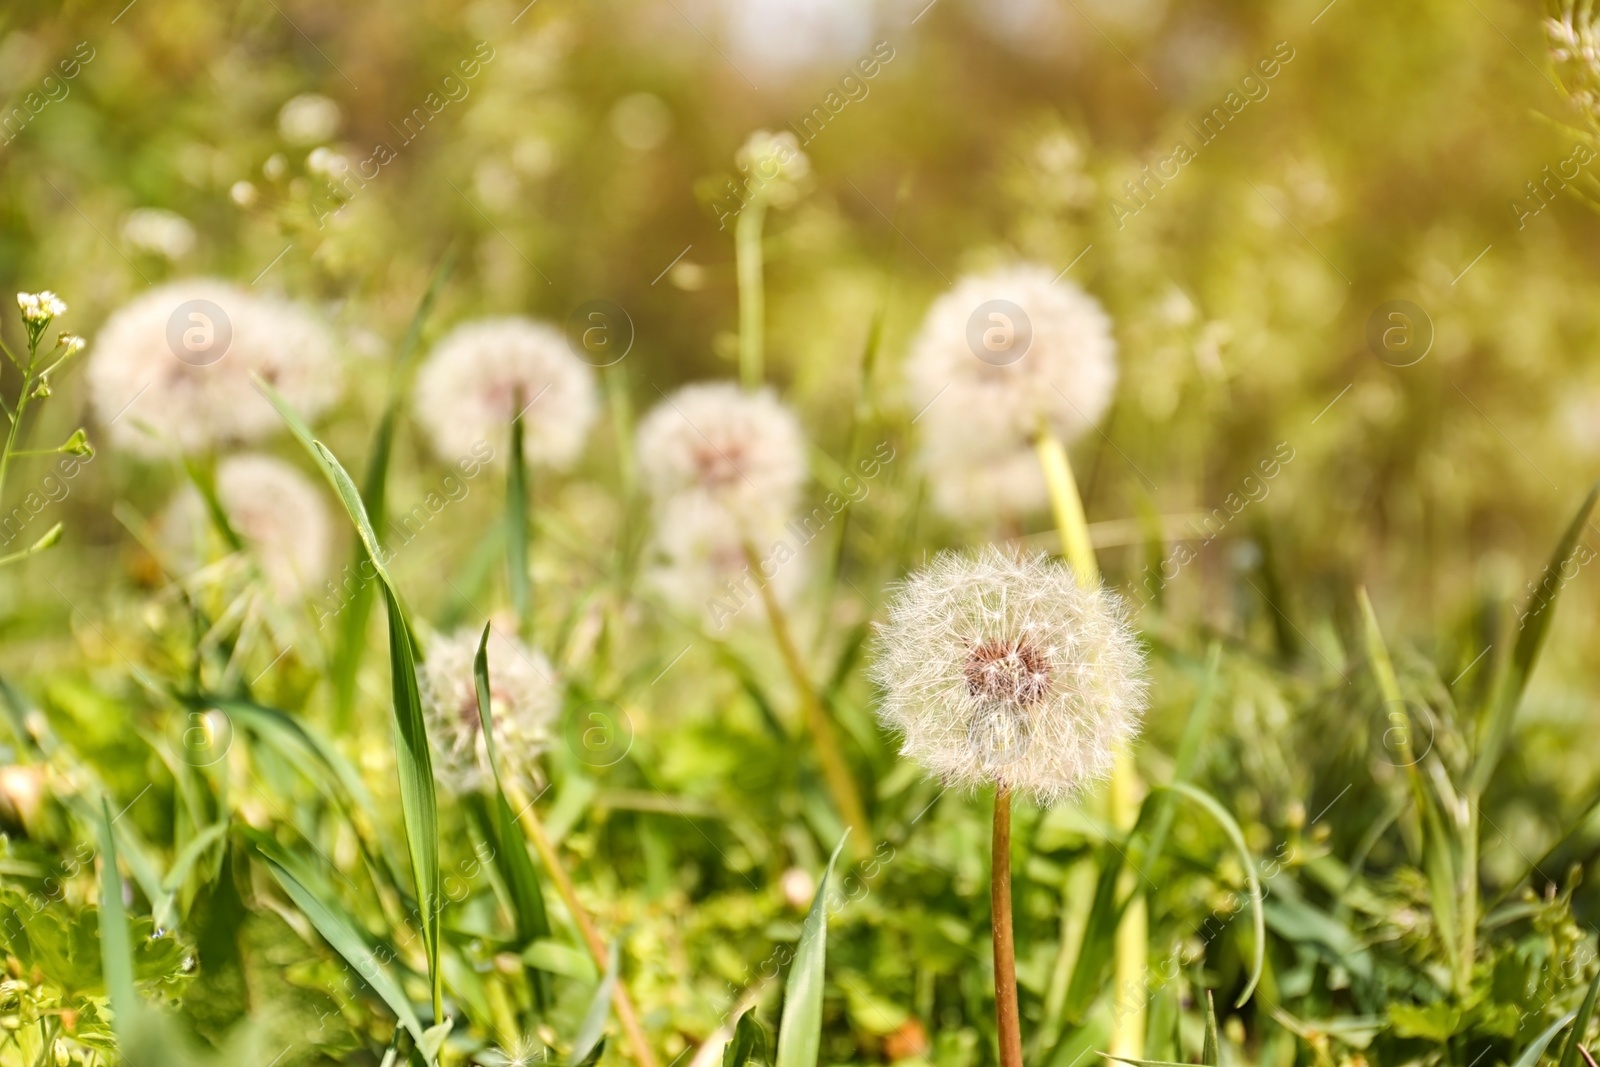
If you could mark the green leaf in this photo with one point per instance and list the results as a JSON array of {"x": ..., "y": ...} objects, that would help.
[
  {"x": 591, "y": 1031},
  {"x": 1580, "y": 1026},
  {"x": 1236, "y": 836},
  {"x": 1535, "y": 627},
  {"x": 749, "y": 1042},
  {"x": 336, "y": 926},
  {"x": 1435, "y": 1022},
  {"x": 50, "y": 539},
  {"x": 419, "y": 803},
  {"x": 800, "y": 1030}
]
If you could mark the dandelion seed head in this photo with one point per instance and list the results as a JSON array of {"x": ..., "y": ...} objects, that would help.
[
  {"x": 155, "y": 399},
  {"x": 278, "y": 513},
  {"x": 482, "y": 373},
  {"x": 775, "y": 165},
  {"x": 985, "y": 385},
  {"x": 1002, "y": 669},
  {"x": 159, "y": 232},
  {"x": 524, "y": 698},
  {"x": 698, "y": 563},
  {"x": 740, "y": 455}
]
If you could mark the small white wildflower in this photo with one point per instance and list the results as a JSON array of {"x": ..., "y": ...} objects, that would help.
[
  {"x": 1004, "y": 670},
  {"x": 71, "y": 342},
  {"x": 326, "y": 162},
  {"x": 156, "y": 393},
  {"x": 998, "y": 358},
  {"x": 278, "y": 513},
  {"x": 159, "y": 232},
  {"x": 243, "y": 193},
  {"x": 40, "y": 307},
  {"x": 482, "y": 373},
  {"x": 308, "y": 119},
  {"x": 740, "y": 454},
  {"x": 523, "y": 701},
  {"x": 699, "y": 566},
  {"x": 774, "y": 166}
]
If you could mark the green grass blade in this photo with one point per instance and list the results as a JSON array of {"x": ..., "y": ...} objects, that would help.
[
  {"x": 116, "y": 950},
  {"x": 1211, "y": 1054},
  {"x": 517, "y": 530},
  {"x": 800, "y": 1031},
  {"x": 1535, "y": 1051},
  {"x": 1535, "y": 627},
  {"x": 592, "y": 1030},
  {"x": 511, "y": 853},
  {"x": 337, "y": 928},
  {"x": 1580, "y": 1026},
  {"x": 1257, "y": 912},
  {"x": 419, "y": 802}
]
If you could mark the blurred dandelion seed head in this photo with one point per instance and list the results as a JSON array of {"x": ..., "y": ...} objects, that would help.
[
  {"x": 739, "y": 456},
  {"x": 999, "y": 669},
  {"x": 308, "y": 119},
  {"x": 159, "y": 232},
  {"x": 154, "y": 382},
  {"x": 698, "y": 562},
  {"x": 277, "y": 511},
  {"x": 482, "y": 373},
  {"x": 982, "y": 402},
  {"x": 523, "y": 700},
  {"x": 775, "y": 167}
]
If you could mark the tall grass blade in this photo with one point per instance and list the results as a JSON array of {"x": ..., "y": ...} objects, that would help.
[
  {"x": 1535, "y": 1051},
  {"x": 418, "y": 801},
  {"x": 592, "y": 1030},
  {"x": 749, "y": 1042},
  {"x": 116, "y": 950},
  {"x": 511, "y": 854},
  {"x": 800, "y": 1029},
  {"x": 1535, "y": 626}
]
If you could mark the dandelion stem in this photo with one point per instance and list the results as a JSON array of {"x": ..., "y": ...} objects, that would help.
[
  {"x": 534, "y": 829},
  {"x": 1067, "y": 507},
  {"x": 752, "y": 299},
  {"x": 1132, "y": 944},
  {"x": 834, "y": 771},
  {"x": 517, "y": 528},
  {"x": 1008, "y": 1026}
]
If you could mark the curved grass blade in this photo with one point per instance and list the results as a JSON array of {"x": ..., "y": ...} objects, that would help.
[
  {"x": 1211, "y": 1053},
  {"x": 800, "y": 1031},
  {"x": 337, "y": 928},
  {"x": 162, "y": 908},
  {"x": 511, "y": 854},
  {"x": 592, "y": 1030},
  {"x": 374, "y": 493},
  {"x": 1257, "y": 912},
  {"x": 1535, "y": 1051},
  {"x": 1580, "y": 1026},
  {"x": 418, "y": 801}
]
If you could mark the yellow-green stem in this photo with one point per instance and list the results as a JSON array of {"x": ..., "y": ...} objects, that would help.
[
  {"x": 841, "y": 783},
  {"x": 752, "y": 299},
  {"x": 534, "y": 829},
  {"x": 1133, "y": 932}
]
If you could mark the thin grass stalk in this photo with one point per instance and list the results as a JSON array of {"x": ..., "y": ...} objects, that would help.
[
  {"x": 1131, "y": 955},
  {"x": 1008, "y": 1024},
  {"x": 752, "y": 298},
  {"x": 841, "y": 783},
  {"x": 626, "y": 1015},
  {"x": 517, "y": 530}
]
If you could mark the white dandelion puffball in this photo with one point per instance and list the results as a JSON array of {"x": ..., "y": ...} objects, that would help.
[
  {"x": 699, "y": 566},
  {"x": 1003, "y": 355},
  {"x": 738, "y": 454},
  {"x": 523, "y": 701},
  {"x": 170, "y": 371},
  {"x": 482, "y": 373},
  {"x": 998, "y": 669},
  {"x": 278, "y": 513}
]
